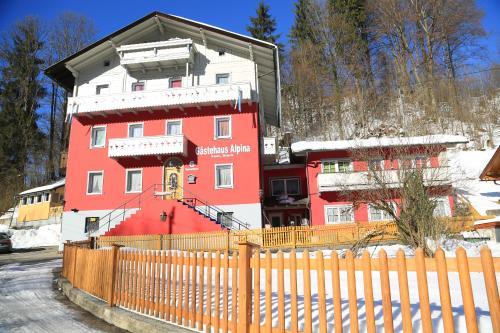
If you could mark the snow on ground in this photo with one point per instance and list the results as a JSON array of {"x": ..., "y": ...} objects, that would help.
[
  {"x": 465, "y": 168},
  {"x": 47, "y": 235}
]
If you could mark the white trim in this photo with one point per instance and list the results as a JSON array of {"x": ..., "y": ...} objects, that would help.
[
  {"x": 102, "y": 84},
  {"x": 92, "y": 136},
  {"x": 215, "y": 176},
  {"x": 338, "y": 206},
  {"x": 126, "y": 179},
  {"x": 138, "y": 81},
  {"x": 135, "y": 123},
  {"x": 172, "y": 120},
  {"x": 337, "y": 160},
  {"x": 271, "y": 179},
  {"x": 102, "y": 182},
  {"x": 230, "y": 127}
]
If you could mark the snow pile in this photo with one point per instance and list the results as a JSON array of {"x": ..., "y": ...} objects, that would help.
[
  {"x": 449, "y": 247},
  {"x": 48, "y": 235}
]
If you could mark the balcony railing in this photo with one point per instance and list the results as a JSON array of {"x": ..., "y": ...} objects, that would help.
[
  {"x": 367, "y": 180},
  {"x": 148, "y": 145},
  {"x": 157, "y": 99},
  {"x": 156, "y": 54}
]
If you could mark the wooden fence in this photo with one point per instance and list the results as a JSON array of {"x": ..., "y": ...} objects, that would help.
[
  {"x": 250, "y": 291},
  {"x": 272, "y": 238}
]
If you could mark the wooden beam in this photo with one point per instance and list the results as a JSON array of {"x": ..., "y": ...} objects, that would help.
[{"x": 160, "y": 25}]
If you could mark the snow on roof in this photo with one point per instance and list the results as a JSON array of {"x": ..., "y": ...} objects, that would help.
[
  {"x": 48, "y": 187},
  {"x": 304, "y": 146}
]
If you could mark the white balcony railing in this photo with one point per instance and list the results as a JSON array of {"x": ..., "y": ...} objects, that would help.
[
  {"x": 167, "y": 98},
  {"x": 364, "y": 180},
  {"x": 147, "y": 145},
  {"x": 269, "y": 145}
]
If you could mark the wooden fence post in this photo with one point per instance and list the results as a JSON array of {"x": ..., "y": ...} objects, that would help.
[
  {"x": 75, "y": 249},
  {"x": 491, "y": 287},
  {"x": 114, "y": 265},
  {"x": 245, "y": 287}
]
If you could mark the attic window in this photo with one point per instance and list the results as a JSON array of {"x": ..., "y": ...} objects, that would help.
[
  {"x": 222, "y": 52},
  {"x": 106, "y": 63}
]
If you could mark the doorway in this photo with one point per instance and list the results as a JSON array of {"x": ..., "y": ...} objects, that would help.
[{"x": 173, "y": 179}]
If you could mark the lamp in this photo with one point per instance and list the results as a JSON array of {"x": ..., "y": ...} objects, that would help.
[
  {"x": 163, "y": 216},
  {"x": 75, "y": 210}
]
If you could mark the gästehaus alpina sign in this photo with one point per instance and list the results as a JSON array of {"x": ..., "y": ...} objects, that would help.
[{"x": 222, "y": 151}]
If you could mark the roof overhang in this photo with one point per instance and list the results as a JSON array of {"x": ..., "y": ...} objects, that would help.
[
  {"x": 265, "y": 54},
  {"x": 492, "y": 170}
]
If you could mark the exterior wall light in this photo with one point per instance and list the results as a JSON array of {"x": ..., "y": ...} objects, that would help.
[{"x": 163, "y": 216}]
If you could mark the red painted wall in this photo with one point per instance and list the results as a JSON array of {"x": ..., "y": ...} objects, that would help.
[{"x": 197, "y": 126}]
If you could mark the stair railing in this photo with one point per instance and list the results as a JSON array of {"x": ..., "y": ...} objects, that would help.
[
  {"x": 211, "y": 211},
  {"x": 119, "y": 212}
]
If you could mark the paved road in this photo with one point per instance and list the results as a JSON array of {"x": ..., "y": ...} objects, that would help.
[
  {"x": 30, "y": 255},
  {"x": 30, "y": 301}
]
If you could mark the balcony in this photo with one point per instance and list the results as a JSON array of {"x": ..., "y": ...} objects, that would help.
[
  {"x": 362, "y": 180},
  {"x": 156, "y": 55},
  {"x": 147, "y": 146},
  {"x": 160, "y": 99}
]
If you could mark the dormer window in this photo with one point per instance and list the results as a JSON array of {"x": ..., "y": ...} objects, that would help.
[
  {"x": 102, "y": 89},
  {"x": 138, "y": 86}
]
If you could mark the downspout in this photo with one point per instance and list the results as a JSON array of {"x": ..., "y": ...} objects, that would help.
[{"x": 308, "y": 192}]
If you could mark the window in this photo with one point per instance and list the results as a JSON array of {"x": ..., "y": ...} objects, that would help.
[
  {"x": 134, "y": 181},
  {"x": 339, "y": 214},
  {"x": 98, "y": 136},
  {"x": 225, "y": 219},
  {"x": 175, "y": 82},
  {"x": 91, "y": 224},
  {"x": 414, "y": 162},
  {"x": 46, "y": 196},
  {"x": 422, "y": 162},
  {"x": 39, "y": 198},
  {"x": 376, "y": 164},
  {"x": 138, "y": 86},
  {"x": 375, "y": 214},
  {"x": 174, "y": 127},
  {"x": 25, "y": 200},
  {"x": 442, "y": 207},
  {"x": 135, "y": 130},
  {"x": 222, "y": 127},
  {"x": 336, "y": 166},
  {"x": 94, "y": 182},
  {"x": 222, "y": 78},
  {"x": 285, "y": 186},
  {"x": 295, "y": 220},
  {"x": 102, "y": 89},
  {"x": 224, "y": 176}
]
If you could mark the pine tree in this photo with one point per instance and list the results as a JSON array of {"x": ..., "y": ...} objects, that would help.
[
  {"x": 263, "y": 26},
  {"x": 303, "y": 28},
  {"x": 21, "y": 140}
]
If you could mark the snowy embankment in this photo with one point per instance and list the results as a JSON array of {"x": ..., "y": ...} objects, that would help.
[{"x": 48, "y": 235}]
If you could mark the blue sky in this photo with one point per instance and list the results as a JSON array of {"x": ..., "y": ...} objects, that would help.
[{"x": 229, "y": 14}]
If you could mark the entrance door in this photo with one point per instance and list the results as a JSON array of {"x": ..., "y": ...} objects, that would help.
[
  {"x": 276, "y": 220},
  {"x": 173, "y": 179}
]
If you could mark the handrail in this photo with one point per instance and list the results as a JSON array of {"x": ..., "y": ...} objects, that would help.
[
  {"x": 210, "y": 207},
  {"x": 122, "y": 206}
]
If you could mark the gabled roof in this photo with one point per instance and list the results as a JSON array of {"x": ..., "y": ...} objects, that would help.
[
  {"x": 492, "y": 169},
  {"x": 305, "y": 146},
  {"x": 265, "y": 53},
  {"x": 44, "y": 188}
]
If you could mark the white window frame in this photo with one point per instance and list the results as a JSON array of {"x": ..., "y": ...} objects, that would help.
[
  {"x": 97, "y": 86},
  {"x": 170, "y": 121},
  {"x": 175, "y": 78},
  {"x": 339, "y": 206},
  {"x": 131, "y": 124},
  {"x": 230, "y": 127},
  {"x": 217, "y": 187},
  {"x": 336, "y": 161},
  {"x": 136, "y": 82},
  {"x": 286, "y": 190},
  {"x": 221, "y": 75},
  {"x": 447, "y": 207},
  {"x": 88, "y": 178},
  {"x": 394, "y": 207},
  {"x": 126, "y": 179},
  {"x": 92, "y": 136}
]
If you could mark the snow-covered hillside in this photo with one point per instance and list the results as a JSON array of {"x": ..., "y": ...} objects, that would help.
[{"x": 48, "y": 235}]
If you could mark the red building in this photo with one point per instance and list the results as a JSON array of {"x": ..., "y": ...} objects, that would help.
[{"x": 168, "y": 135}]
